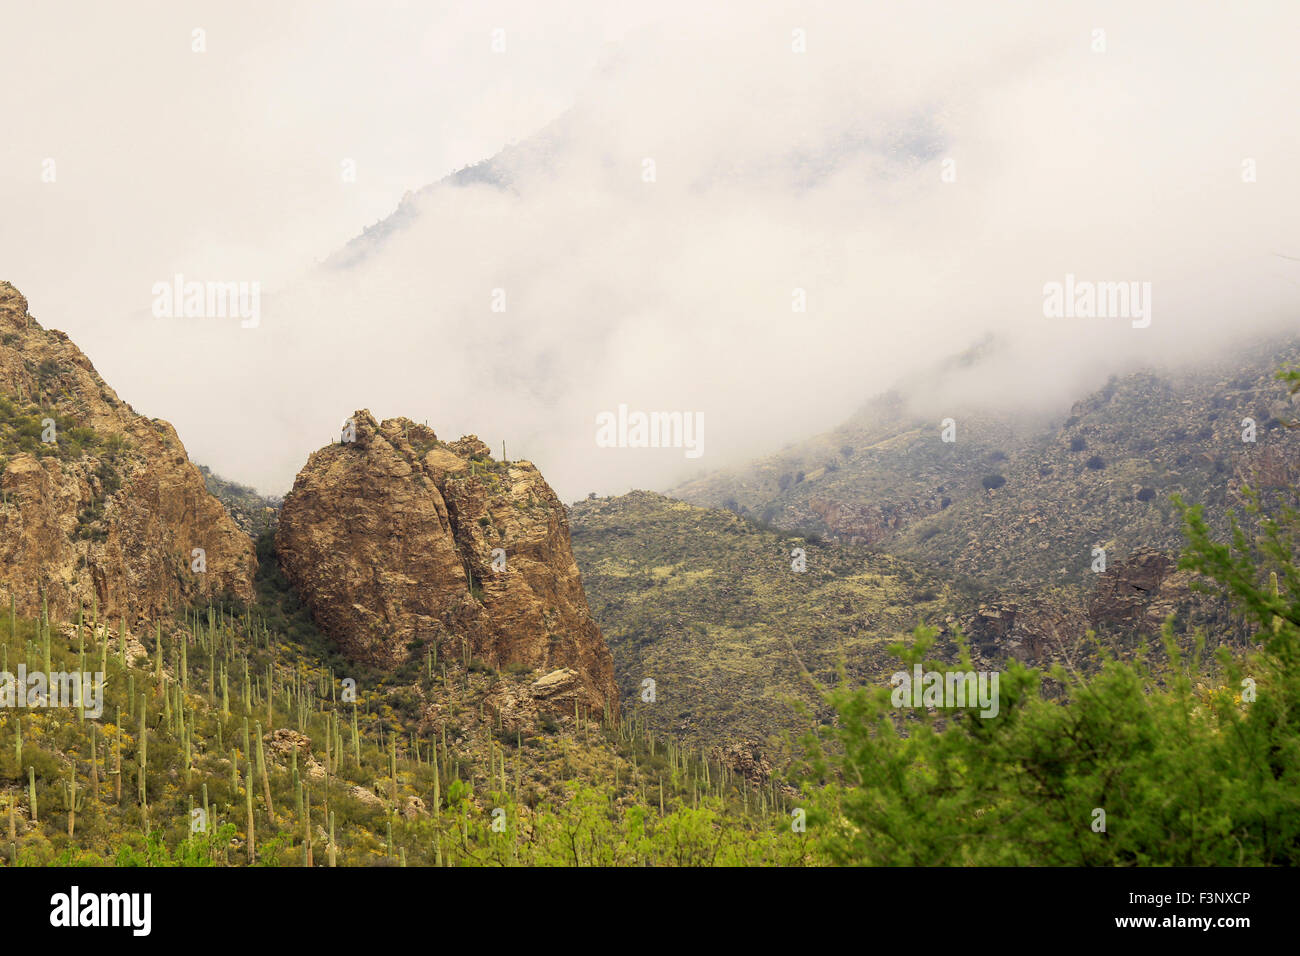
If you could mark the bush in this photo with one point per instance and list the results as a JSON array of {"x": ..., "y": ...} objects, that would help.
[{"x": 1193, "y": 765}]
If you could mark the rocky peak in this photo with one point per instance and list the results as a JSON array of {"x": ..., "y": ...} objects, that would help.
[
  {"x": 99, "y": 504},
  {"x": 398, "y": 540}
]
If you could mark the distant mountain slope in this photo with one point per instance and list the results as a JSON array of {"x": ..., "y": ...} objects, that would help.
[
  {"x": 707, "y": 606},
  {"x": 1015, "y": 503},
  {"x": 1105, "y": 476},
  {"x": 254, "y": 513},
  {"x": 498, "y": 171}
]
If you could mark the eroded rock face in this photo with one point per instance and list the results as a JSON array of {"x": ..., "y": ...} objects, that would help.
[
  {"x": 746, "y": 758},
  {"x": 1133, "y": 598},
  {"x": 397, "y": 540},
  {"x": 1124, "y": 595},
  {"x": 1032, "y": 631},
  {"x": 114, "y": 509}
]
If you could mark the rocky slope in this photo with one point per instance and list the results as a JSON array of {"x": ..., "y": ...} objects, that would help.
[
  {"x": 1018, "y": 504},
  {"x": 711, "y": 608},
  {"x": 1123, "y": 613},
  {"x": 398, "y": 541},
  {"x": 254, "y": 513},
  {"x": 109, "y": 509},
  {"x": 1105, "y": 477}
]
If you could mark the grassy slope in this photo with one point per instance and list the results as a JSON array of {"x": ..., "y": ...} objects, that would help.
[
  {"x": 706, "y": 604},
  {"x": 629, "y": 795}
]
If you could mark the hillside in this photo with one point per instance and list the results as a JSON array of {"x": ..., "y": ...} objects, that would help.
[
  {"x": 1017, "y": 504},
  {"x": 217, "y": 740},
  {"x": 707, "y": 606},
  {"x": 225, "y": 717},
  {"x": 252, "y": 512}
]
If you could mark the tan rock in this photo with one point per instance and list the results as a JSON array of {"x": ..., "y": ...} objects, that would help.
[
  {"x": 368, "y": 797},
  {"x": 557, "y": 682},
  {"x": 282, "y": 742},
  {"x": 117, "y": 524},
  {"x": 391, "y": 540}
]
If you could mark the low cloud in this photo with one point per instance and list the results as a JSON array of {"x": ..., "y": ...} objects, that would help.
[{"x": 915, "y": 178}]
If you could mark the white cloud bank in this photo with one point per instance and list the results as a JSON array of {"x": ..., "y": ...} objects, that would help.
[{"x": 774, "y": 171}]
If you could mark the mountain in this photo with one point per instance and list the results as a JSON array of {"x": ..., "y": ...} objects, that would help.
[
  {"x": 402, "y": 544},
  {"x": 1018, "y": 504},
  {"x": 228, "y": 729},
  {"x": 497, "y": 171},
  {"x": 739, "y": 645},
  {"x": 101, "y": 506}
]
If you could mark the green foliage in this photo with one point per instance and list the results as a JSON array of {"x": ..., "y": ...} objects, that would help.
[
  {"x": 22, "y": 426},
  {"x": 182, "y": 727},
  {"x": 1194, "y": 763}
]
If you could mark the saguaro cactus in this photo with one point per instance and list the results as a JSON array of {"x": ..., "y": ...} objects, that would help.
[
  {"x": 144, "y": 752},
  {"x": 70, "y": 797},
  {"x": 248, "y": 796},
  {"x": 261, "y": 767},
  {"x": 117, "y": 772},
  {"x": 94, "y": 764}
]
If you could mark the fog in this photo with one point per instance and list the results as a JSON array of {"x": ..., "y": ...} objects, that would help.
[{"x": 920, "y": 173}]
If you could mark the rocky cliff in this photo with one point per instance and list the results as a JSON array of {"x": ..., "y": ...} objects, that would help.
[
  {"x": 397, "y": 540},
  {"x": 97, "y": 503}
]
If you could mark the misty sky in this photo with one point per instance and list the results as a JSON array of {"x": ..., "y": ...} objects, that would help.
[{"x": 774, "y": 170}]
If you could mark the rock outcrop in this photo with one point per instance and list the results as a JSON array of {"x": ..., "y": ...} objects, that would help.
[
  {"x": 1133, "y": 598},
  {"x": 97, "y": 503},
  {"x": 1029, "y": 631},
  {"x": 397, "y": 540}
]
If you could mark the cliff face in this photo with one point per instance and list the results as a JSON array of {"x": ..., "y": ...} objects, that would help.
[
  {"x": 391, "y": 539},
  {"x": 111, "y": 510}
]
